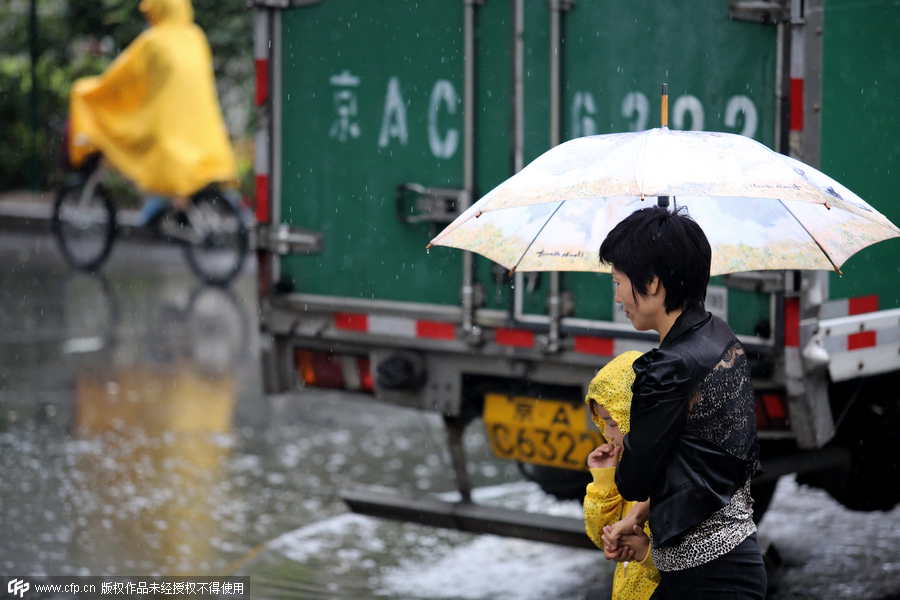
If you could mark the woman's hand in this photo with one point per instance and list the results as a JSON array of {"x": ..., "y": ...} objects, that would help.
[{"x": 604, "y": 456}]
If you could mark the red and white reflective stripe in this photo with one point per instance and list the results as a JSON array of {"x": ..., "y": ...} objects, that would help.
[
  {"x": 586, "y": 344},
  {"x": 395, "y": 326},
  {"x": 796, "y": 123},
  {"x": 866, "y": 339},
  {"x": 797, "y": 67},
  {"x": 600, "y": 346},
  {"x": 405, "y": 327},
  {"x": 261, "y": 45},
  {"x": 517, "y": 338},
  {"x": 792, "y": 323},
  {"x": 261, "y": 169}
]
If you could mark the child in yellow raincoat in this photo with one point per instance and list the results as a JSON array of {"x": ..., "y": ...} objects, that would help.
[
  {"x": 609, "y": 398},
  {"x": 154, "y": 113}
]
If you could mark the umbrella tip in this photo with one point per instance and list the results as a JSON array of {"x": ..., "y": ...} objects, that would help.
[
  {"x": 512, "y": 271},
  {"x": 428, "y": 247},
  {"x": 839, "y": 272},
  {"x": 826, "y": 206},
  {"x": 478, "y": 214}
]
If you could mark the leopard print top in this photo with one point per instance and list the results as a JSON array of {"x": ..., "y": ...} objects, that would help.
[{"x": 719, "y": 534}]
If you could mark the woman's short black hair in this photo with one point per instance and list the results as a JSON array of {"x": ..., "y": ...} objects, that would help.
[{"x": 670, "y": 245}]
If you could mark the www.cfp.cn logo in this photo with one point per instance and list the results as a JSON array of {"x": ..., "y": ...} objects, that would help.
[{"x": 17, "y": 586}]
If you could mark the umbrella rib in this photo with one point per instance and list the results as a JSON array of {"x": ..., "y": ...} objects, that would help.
[
  {"x": 516, "y": 266},
  {"x": 811, "y": 236}
]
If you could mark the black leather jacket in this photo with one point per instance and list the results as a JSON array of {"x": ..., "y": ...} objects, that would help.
[{"x": 693, "y": 439}]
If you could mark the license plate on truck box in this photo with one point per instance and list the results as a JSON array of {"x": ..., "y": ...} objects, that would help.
[{"x": 545, "y": 432}]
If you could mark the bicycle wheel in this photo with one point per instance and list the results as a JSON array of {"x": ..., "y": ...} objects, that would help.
[
  {"x": 84, "y": 224},
  {"x": 218, "y": 246}
]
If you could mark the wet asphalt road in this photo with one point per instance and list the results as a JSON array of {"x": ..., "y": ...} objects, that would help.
[{"x": 134, "y": 439}]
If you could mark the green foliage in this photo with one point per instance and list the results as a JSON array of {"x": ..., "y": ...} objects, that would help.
[{"x": 77, "y": 38}]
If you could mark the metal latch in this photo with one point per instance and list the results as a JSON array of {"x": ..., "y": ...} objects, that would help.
[
  {"x": 760, "y": 11},
  {"x": 282, "y": 239},
  {"x": 417, "y": 203},
  {"x": 759, "y": 282}
]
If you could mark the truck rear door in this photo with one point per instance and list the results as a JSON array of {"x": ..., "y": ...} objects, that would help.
[{"x": 371, "y": 99}]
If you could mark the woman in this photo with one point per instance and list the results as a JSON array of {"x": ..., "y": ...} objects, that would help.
[{"x": 692, "y": 448}]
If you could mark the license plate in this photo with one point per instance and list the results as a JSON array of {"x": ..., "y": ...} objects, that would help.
[{"x": 545, "y": 432}]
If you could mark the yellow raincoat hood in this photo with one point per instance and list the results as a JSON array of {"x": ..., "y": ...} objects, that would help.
[
  {"x": 154, "y": 113},
  {"x": 611, "y": 389}
]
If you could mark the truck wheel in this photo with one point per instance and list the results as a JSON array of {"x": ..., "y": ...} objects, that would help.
[
  {"x": 564, "y": 484},
  {"x": 871, "y": 433}
]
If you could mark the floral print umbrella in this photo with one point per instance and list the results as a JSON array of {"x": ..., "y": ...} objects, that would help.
[{"x": 759, "y": 209}]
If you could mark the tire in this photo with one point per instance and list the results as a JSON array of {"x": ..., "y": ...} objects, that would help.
[
  {"x": 219, "y": 249},
  {"x": 85, "y": 233},
  {"x": 871, "y": 433}
]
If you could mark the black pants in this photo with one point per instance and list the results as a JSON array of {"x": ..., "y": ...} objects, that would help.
[{"x": 738, "y": 575}]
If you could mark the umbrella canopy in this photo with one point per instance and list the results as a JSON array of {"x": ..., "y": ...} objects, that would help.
[{"x": 759, "y": 209}]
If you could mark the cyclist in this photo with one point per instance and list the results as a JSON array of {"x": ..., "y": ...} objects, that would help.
[{"x": 154, "y": 114}]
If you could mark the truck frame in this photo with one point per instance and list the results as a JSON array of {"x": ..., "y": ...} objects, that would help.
[{"x": 825, "y": 360}]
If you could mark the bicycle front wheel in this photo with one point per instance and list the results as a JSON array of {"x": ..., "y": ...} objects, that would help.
[
  {"x": 217, "y": 250},
  {"x": 84, "y": 224}
]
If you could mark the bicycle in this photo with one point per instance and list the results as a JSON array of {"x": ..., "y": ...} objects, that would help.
[{"x": 211, "y": 229}]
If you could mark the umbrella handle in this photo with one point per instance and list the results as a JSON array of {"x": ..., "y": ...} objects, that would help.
[{"x": 665, "y": 106}]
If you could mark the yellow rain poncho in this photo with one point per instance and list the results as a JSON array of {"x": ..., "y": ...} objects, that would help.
[
  {"x": 603, "y": 505},
  {"x": 154, "y": 113}
]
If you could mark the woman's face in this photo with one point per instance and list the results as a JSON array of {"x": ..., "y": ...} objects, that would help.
[
  {"x": 613, "y": 435},
  {"x": 628, "y": 299}
]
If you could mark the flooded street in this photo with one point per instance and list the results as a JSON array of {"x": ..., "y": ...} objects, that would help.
[{"x": 135, "y": 439}]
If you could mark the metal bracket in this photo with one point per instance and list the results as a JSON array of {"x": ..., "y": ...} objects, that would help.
[
  {"x": 759, "y": 282},
  {"x": 433, "y": 205},
  {"x": 283, "y": 240},
  {"x": 760, "y": 11}
]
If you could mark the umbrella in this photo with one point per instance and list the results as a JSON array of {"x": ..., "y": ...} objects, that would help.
[{"x": 759, "y": 209}]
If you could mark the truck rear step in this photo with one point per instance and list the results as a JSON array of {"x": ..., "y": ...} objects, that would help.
[{"x": 387, "y": 503}]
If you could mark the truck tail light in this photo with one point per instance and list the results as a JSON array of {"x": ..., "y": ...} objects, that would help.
[
  {"x": 334, "y": 371},
  {"x": 770, "y": 411}
]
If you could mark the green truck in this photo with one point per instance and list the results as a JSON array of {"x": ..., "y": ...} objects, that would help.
[{"x": 381, "y": 121}]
